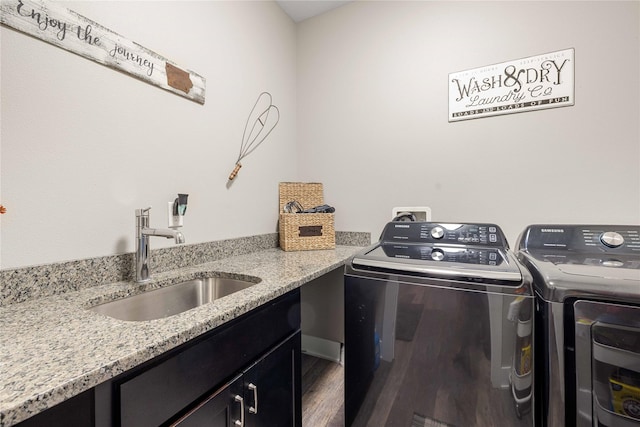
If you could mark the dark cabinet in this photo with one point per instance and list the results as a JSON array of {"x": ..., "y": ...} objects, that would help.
[
  {"x": 250, "y": 363},
  {"x": 264, "y": 395},
  {"x": 254, "y": 345},
  {"x": 74, "y": 412}
]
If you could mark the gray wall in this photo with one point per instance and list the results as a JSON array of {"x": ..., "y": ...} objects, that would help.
[
  {"x": 372, "y": 113},
  {"x": 83, "y": 145}
]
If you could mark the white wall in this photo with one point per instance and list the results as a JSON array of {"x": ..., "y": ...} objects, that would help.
[
  {"x": 83, "y": 145},
  {"x": 372, "y": 114}
]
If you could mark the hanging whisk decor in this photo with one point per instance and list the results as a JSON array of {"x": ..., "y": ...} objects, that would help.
[{"x": 262, "y": 123}]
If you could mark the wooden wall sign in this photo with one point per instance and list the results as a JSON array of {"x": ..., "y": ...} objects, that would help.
[
  {"x": 527, "y": 84},
  {"x": 64, "y": 28}
]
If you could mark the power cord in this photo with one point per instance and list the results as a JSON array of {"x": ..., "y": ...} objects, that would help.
[{"x": 295, "y": 207}]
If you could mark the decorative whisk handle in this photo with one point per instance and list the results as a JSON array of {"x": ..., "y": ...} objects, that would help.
[{"x": 235, "y": 171}]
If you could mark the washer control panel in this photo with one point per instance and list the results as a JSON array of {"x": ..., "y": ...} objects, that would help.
[
  {"x": 465, "y": 255},
  {"x": 444, "y": 233}
]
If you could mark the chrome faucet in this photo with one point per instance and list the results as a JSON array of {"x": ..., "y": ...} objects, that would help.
[{"x": 143, "y": 232}]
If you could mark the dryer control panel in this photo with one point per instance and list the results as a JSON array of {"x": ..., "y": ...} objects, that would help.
[{"x": 619, "y": 239}]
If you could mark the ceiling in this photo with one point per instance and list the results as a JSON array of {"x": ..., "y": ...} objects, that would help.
[{"x": 299, "y": 10}]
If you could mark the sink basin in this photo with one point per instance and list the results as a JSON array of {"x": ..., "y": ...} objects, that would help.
[{"x": 171, "y": 300}]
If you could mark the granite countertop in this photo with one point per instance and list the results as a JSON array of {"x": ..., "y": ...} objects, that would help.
[{"x": 52, "y": 348}]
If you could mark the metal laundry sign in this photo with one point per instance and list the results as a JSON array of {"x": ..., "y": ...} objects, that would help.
[
  {"x": 527, "y": 84},
  {"x": 65, "y": 28}
]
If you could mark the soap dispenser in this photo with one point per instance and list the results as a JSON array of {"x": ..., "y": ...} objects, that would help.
[{"x": 176, "y": 211}]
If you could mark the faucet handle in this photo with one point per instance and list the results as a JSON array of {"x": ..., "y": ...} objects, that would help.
[{"x": 140, "y": 212}]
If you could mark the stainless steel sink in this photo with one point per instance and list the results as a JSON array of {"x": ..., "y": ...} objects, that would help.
[{"x": 171, "y": 300}]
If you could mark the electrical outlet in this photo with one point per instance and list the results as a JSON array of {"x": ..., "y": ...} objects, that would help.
[
  {"x": 174, "y": 221},
  {"x": 422, "y": 213}
]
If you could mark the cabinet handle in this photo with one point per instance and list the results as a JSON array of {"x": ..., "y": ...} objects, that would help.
[
  {"x": 240, "y": 422},
  {"x": 254, "y": 388}
]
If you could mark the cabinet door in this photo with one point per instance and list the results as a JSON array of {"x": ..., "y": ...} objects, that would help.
[
  {"x": 223, "y": 408},
  {"x": 272, "y": 387}
]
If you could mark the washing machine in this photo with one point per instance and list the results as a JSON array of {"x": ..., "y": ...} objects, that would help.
[
  {"x": 587, "y": 321},
  {"x": 438, "y": 329}
]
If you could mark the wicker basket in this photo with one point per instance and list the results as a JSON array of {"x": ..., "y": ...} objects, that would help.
[{"x": 305, "y": 232}]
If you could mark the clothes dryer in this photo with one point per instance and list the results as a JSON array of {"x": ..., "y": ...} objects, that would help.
[{"x": 587, "y": 348}]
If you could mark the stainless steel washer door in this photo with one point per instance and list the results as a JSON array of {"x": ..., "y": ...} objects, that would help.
[{"x": 419, "y": 354}]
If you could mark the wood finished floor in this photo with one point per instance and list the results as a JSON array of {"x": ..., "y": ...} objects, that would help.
[{"x": 322, "y": 393}]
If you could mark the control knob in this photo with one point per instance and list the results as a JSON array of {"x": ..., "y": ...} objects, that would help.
[
  {"x": 437, "y": 255},
  {"x": 437, "y": 232},
  {"x": 612, "y": 239}
]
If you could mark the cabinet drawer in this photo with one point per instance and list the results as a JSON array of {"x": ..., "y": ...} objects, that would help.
[{"x": 172, "y": 382}]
